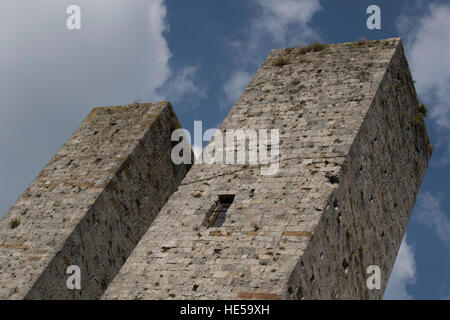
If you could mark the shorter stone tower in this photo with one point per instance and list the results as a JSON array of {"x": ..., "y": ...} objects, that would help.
[{"x": 91, "y": 205}]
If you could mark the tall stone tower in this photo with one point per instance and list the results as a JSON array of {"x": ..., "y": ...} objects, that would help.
[
  {"x": 90, "y": 206},
  {"x": 353, "y": 151}
]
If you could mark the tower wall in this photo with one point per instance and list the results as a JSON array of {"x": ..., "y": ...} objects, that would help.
[
  {"x": 91, "y": 204},
  {"x": 353, "y": 152}
]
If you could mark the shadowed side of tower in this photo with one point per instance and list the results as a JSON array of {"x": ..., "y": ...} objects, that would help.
[
  {"x": 353, "y": 151},
  {"x": 365, "y": 219},
  {"x": 92, "y": 203}
]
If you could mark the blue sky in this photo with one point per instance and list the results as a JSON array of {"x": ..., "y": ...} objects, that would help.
[{"x": 200, "y": 55}]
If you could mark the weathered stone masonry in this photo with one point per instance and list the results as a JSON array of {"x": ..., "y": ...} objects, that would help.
[
  {"x": 353, "y": 152},
  {"x": 91, "y": 204}
]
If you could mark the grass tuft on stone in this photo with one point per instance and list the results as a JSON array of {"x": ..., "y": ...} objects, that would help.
[
  {"x": 315, "y": 47},
  {"x": 280, "y": 61},
  {"x": 423, "y": 109},
  {"x": 361, "y": 41}
]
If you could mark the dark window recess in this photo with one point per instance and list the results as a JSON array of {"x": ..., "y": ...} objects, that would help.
[{"x": 218, "y": 215}]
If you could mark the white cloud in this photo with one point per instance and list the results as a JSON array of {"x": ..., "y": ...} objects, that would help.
[
  {"x": 235, "y": 86},
  {"x": 181, "y": 86},
  {"x": 275, "y": 18},
  {"x": 52, "y": 77},
  {"x": 280, "y": 23},
  {"x": 428, "y": 49},
  {"x": 430, "y": 212},
  {"x": 443, "y": 143},
  {"x": 273, "y": 24},
  {"x": 403, "y": 274}
]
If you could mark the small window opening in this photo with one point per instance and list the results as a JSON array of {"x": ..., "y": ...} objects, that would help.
[{"x": 220, "y": 210}]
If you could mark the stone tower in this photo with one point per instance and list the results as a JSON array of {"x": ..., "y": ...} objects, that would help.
[
  {"x": 353, "y": 150},
  {"x": 90, "y": 206},
  {"x": 352, "y": 153}
]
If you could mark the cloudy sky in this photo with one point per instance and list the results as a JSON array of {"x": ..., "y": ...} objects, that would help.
[{"x": 199, "y": 55}]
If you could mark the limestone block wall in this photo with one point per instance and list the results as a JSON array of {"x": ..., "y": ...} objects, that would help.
[
  {"x": 92, "y": 203},
  {"x": 353, "y": 151},
  {"x": 365, "y": 219}
]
